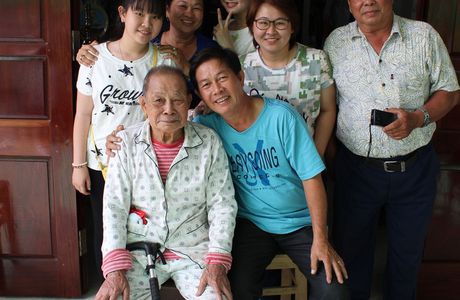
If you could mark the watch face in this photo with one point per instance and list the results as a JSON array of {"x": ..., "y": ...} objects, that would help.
[{"x": 426, "y": 117}]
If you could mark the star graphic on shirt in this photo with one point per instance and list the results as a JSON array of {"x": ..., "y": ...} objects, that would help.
[
  {"x": 108, "y": 109},
  {"x": 126, "y": 71},
  {"x": 97, "y": 151}
]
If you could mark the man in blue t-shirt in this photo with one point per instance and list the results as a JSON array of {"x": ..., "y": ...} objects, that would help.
[{"x": 276, "y": 172}]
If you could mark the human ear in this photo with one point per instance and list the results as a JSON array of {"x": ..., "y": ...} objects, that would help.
[
  {"x": 142, "y": 102},
  {"x": 122, "y": 13},
  {"x": 240, "y": 76}
]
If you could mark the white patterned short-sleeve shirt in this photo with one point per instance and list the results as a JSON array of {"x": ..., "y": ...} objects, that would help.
[
  {"x": 412, "y": 65},
  {"x": 299, "y": 83}
]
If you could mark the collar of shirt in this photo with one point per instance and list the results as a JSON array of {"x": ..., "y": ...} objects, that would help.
[{"x": 355, "y": 32}]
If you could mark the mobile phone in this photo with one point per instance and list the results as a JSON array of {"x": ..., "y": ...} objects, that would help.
[{"x": 382, "y": 118}]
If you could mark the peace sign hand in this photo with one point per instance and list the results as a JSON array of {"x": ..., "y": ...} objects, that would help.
[{"x": 221, "y": 34}]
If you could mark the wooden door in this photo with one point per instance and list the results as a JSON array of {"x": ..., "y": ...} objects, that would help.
[
  {"x": 39, "y": 253},
  {"x": 440, "y": 273}
]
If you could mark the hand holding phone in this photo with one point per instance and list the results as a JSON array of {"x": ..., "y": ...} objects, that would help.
[{"x": 382, "y": 118}]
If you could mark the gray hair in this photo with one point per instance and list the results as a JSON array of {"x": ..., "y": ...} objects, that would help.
[{"x": 164, "y": 70}]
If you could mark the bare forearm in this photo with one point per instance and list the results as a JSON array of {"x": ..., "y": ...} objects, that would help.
[
  {"x": 317, "y": 205},
  {"x": 80, "y": 136},
  {"x": 440, "y": 103},
  {"x": 324, "y": 127},
  {"x": 81, "y": 126},
  {"x": 326, "y": 119}
]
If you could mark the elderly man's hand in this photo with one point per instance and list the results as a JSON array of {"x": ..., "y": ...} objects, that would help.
[
  {"x": 403, "y": 126},
  {"x": 321, "y": 250},
  {"x": 215, "y": 276},
  {"x": 114, "y": 285},
  {"x": 112, "y": 141}
]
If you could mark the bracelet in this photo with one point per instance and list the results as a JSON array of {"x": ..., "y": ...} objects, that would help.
[{"x": 79, "y": 166}]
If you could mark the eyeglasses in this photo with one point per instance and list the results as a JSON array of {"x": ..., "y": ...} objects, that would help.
[{"x": 264, "y": 24}]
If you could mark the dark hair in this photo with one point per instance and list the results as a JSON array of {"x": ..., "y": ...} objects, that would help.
[
  {"x": 169, "y": 2},
  {"x": 157, "y": 7},
  {"x": 163, "y": 69},
  {"x": 287, "y": 7},
  {"x": 225, "y": 56}
]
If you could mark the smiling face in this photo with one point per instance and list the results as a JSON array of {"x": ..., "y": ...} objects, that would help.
[
  {"x": 236, "y": 6},
  {"x": 185, "y": 16},
  {"x": 272, "y": 40},
  {"x": 166, "y": 104},
  {"x": 372, "y": 13},
  {"x": 219, "y": 87},
  {"x": 140, "y": 26}
]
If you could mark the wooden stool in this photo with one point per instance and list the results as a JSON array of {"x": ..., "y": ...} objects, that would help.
[
  {"x": 293, "y": 282},
  {"x": 169, "y": 291}
]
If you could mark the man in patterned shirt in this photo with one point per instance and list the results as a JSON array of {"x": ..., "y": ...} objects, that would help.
[{"x": 382, "y": 61}]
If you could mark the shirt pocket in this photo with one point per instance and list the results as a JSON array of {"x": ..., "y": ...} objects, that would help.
[{"x": 413, "y": 82}]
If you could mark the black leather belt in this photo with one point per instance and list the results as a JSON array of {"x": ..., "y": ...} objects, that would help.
[{"x": 390, "y": 165}]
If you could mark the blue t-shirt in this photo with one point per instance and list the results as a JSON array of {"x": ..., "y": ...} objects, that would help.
[{"x": 268, "y": 162}]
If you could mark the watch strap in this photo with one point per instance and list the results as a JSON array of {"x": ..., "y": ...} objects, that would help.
[{"x": 426, "y": 116}]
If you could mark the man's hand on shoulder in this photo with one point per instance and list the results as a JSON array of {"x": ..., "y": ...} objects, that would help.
[{"x": 112, "y": 142}]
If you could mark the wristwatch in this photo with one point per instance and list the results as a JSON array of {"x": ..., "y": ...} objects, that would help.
[{"x": 426, "y": 116}]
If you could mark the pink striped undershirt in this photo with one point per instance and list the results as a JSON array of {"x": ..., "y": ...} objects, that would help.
[
  {"x": 165, "y": 155},
  {"x": 120, "y": 259}
]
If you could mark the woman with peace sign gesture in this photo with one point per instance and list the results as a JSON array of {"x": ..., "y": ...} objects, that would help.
[{"x": 232, "y": 32}]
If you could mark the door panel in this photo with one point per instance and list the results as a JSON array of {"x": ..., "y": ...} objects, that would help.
[
  {"x": 39, "y": 253},
  {"x": 21, "y": 19},
  {"x": 28, "y": 99},
  {"x": 440, "y": 271},
  {"x": 29, "y": 214}
]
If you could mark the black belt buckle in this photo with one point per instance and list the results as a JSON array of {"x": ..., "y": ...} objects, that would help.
[{"x": 391, "y": 166}]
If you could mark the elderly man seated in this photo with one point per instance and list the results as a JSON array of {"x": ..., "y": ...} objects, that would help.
[{"x": 169, "y": 184}]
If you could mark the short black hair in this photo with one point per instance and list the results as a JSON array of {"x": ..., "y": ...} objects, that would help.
[
  {"x": 163, "y": 69},
  {"x": 225, "y": 56},
  {"x": 287, "y": 7}
]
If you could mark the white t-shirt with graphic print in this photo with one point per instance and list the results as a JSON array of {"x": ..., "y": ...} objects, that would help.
[{"x": 115, "y": 86}]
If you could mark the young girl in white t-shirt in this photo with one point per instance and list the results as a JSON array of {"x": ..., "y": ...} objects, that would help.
[{"x": 108, "y": 95}]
